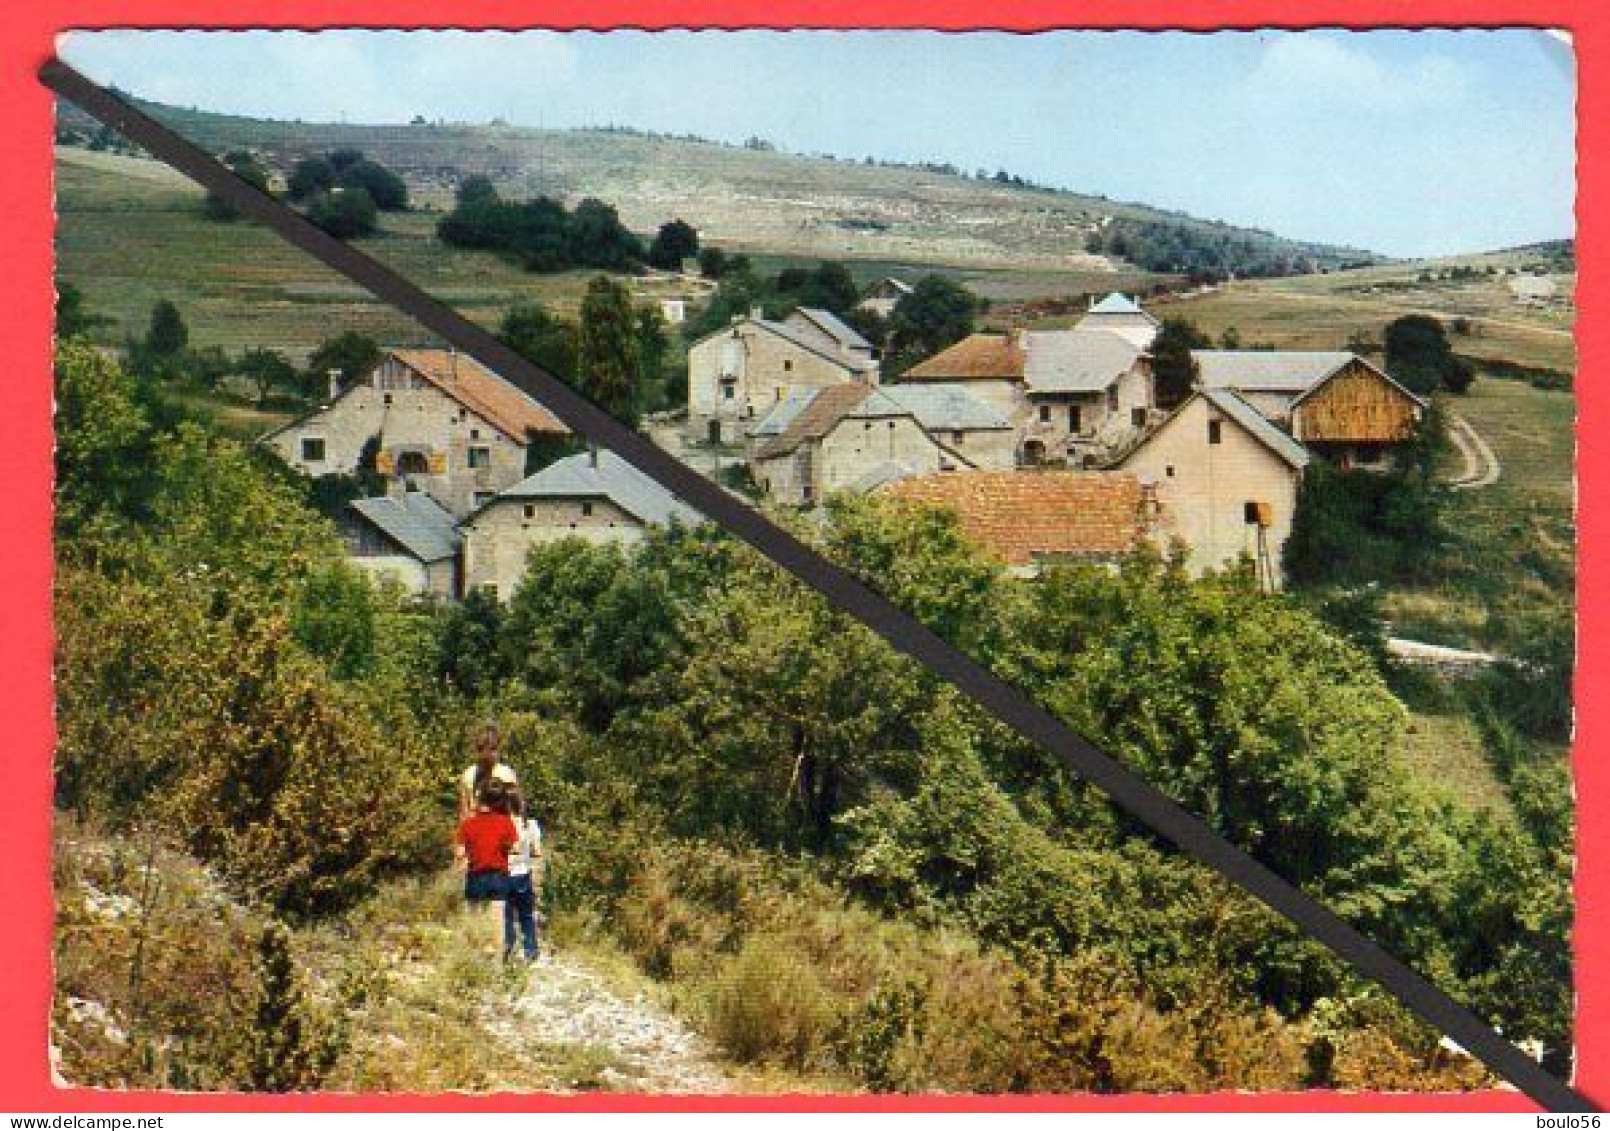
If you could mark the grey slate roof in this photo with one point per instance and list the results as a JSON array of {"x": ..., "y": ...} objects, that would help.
[
  {"x": 942, "y": 408},
  {"x": 1075, "y": 361},
  {"x": 1258, "y": 425},
  {"x": 831, "y": 325},
  {"x": 889, "y": 471},
  {"x": 1267, "y": 371},
  {"x": 782, "y": 414},
  {"x": 804, "y": 341},
  {"x": 612, "y": 478},
  {"x": 416, "y": 522}
]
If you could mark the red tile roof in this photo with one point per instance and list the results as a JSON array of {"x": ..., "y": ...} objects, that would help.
[
  {"x": 1022, "y": 517},
  {"x": 978, "y": 357},
  {"x": 483, "y": 392}
]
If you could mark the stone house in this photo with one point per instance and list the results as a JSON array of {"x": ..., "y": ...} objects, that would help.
[
  {"x": 1226, "y": 481},
  {"x": 842, "y": 438},
  {"x": 988, "y": 367},
  {"x": 1031, "y": 519},
  {"x": 1089, "y": 393},
  {"x": 883, "y": 296},
  {"x": 736, "y": 375},
  {"x": 971, "y": 428},
  {"x": 1337, "y": 404},
  {"x": 1121, "y": 315},
  {"x": 595, "y": 496},
  {"x": 408, "y": 538},
  {"x": 444, "y": 424}
]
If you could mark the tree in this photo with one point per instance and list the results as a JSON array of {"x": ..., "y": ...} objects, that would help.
[
  {"x": 676, "y": 242},
  {"x": 245, "y": 166},
  {"x": 343, "y": 212},
  {"x": 712, "y": 262},
  {"x": 475, "y": 190},
  {"x": 344, "y": 158},
  {"x": 384, "y": 187},
  {"x": 608, "y": 359},
  {"x": 104, "y": 464},
  {"x": 937, "y": 313},
  {"x": 599, "y": 239},
  {"x": 166, "y": 336},
  {"x": 309, "y": 177},
  {"x": 1419, "y": 355},
  {"x": 828, "y": 287},
  {"x": 72, "y": 319},
  {"x": 1173, "y": 367},
  {"x": 538, "y": 336},
  {"x": 268, "y": 371},
  {"x": 351, "y": 353}
]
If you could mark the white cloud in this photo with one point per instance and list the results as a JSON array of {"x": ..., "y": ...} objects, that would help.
[{"x": 1315, "y": 70}]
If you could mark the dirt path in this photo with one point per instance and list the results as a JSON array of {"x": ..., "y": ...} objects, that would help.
[
  {"x": 567, "y": 1016},
  {"x": 1482, "y": 468}
]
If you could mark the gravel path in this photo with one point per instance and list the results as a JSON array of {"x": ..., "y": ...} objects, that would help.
[
  {"x": 639, "y": 1046},
  {"x": 1482, "y": 468}
]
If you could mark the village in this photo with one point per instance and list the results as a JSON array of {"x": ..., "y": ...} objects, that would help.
[{"x": 1048, "y": 445}]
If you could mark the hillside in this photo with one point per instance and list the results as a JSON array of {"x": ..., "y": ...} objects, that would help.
[{"x": 754, "y": 199}]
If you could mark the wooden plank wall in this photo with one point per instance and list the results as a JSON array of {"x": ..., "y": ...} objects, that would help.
[{"x": 1356, "y": 405}]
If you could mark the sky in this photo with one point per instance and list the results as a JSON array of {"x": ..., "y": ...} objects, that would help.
[{"x": 1405, "y": 143}]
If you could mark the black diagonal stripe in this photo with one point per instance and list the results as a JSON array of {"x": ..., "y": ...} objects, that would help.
[{"x": 1190, "y": 834}]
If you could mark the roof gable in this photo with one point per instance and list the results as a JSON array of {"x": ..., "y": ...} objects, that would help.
[
  {"x": 818, "y": 416},
  {"x": 601, "y": 474},
  {"x": 1240, "y": 413},
  {"x": 834, "y": 327},
  {"x": 415, "y": 521},
  {"x": 977, "y": 357},
  {"x": 1076, "y": 361}
]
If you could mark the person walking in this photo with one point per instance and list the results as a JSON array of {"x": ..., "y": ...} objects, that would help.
[
  {"x": 525, "y": 880},
  {"x": 486, "y": 768},
  {"x": 486, "y": 837}
]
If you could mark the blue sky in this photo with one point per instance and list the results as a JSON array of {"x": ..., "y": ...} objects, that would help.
[{"x": 1408, "y": 143}]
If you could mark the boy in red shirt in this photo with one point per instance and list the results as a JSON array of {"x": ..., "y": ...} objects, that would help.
[{"x": 486, "y": 838}]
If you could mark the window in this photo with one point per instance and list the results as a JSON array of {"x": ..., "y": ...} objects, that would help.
[
  {"x": 1169, "y": 471},
  {"x": 1045, "y": 414},
  {"x": 480, "y": 457},
  {"x": 475, "y": 433},
  {"x": 586, "y": 510},
  {"x": 387, "y": 399},
  {"x": 958, "y": 438},
  {"x": 1112, "y": 399},
  {"x": 1137, "y": 417},
  {"x": 788, "y": 365},
  {"x": 313, "y": 449},
  {"x": 726, "y": 392},
  {"x": 531, "y": 509},
  {"x": 1075, "y": 418},
  {"x": 1215, "y": 431}
]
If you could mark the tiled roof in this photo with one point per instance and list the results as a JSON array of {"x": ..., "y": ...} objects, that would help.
[
  {"x": 481, "y": 391},
  {"x": 609, "y": 477},
  {"x": 1021, "y": 517},
  {"x": 831, "y": 325},
  {"x": 977, "y": 357},
  {"x": 941, "y": 409},
  {"x": 816, "y": 418},
  {"x": 1076, "y": 361},
  {"x": 416, "y": 522}
]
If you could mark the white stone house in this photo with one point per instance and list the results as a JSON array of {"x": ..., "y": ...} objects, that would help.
[
  {"x": 409, "y": 538},
  {"x": 595, "y": 496},
  {"x": 736, "y": 375},
  {"x": 1123, "y": 316},
  {"x": 1090, "y": 393},
  {"x": 445, "y": 424},
  {"x": 1225, "y": 480},
  {"x": 842, "y": 438},
  {"x": 985, "y": 366}
]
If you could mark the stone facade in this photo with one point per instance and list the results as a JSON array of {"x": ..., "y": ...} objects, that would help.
[
  {"x": 737, "y": 375},
  {"x": 1207, "y": 470},
  {"x": 429, "y": 441},
  {"x": 1085, "y": 428},
  {"x": 498, "y": 538},
  {"x": 850, "y": 451}
]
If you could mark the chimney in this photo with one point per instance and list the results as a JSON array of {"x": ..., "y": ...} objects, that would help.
[
  {"x": 335, "y": 382},
  {"x": 452, "y": 364},
  {"x": 592, "y": 456}
]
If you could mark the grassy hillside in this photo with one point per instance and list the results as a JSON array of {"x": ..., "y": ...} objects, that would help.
[{"x": 750, "y": 199}]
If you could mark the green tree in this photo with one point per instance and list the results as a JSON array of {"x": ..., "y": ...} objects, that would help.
[
  {"x": 937, "y": 313},
  {"x": 676, "y": 242},
  {"x": 1419, "y": 355},
  {"x": 72, "y": 319},
  {"x": 607, "y": 357},
  {"x": 712, "y": 262},
  {"x": 334, "y": 619},
  {"x": 291, "y": 1047},
  {"x": 309, "y": 177},
  {"x": 384, "y": 187},
  {"x": 343, "y": 159},
  {"x": 1173, "y": 367},
  {"x": 104, "y": 461},
  {"x": 474, "y": 190},
  {"x": 269, "y": 372},
  {"x": 166, "y": 336},
  {"x": 353, "y": 354},
  {"x": 344, "y": 213},
  {"x": 540, "y": 337},
  {"x": 246, "y": 166}
]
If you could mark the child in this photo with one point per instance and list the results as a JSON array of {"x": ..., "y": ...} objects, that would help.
[
  {"x": 487, "y": 836},
  {"x": 525, "y": 874}
]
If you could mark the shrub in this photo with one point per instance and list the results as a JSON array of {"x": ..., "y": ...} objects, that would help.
[{"x": 343, "y": 212}]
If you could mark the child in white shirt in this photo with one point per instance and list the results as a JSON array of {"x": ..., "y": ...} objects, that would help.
[{"x": 525, "y": 874}]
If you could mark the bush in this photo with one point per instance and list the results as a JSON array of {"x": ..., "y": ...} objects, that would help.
[{"x": 343, "y": 212}]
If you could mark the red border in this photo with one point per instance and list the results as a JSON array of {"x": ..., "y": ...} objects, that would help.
[{"x": 26, "y": 40}]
